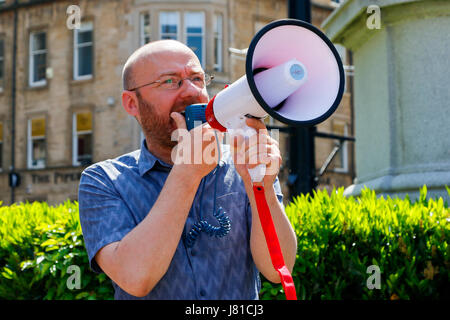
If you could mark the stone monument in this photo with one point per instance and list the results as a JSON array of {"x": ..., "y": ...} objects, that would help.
[{"x": 401, "y": 54}]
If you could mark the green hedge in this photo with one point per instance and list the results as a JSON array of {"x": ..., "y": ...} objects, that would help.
[
  {"x": 338, "y": 239},
  {"x": 38, "y": 244}
]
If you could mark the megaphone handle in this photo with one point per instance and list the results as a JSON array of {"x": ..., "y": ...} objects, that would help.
[
  {"x": 273, "y": 244},
  {"x": 257, "y": 173}
]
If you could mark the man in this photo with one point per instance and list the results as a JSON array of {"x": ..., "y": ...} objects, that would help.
[{"x": 137, "y": 210}]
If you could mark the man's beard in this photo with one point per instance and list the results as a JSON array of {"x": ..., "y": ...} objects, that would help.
[{"x": 156, "y": 127}]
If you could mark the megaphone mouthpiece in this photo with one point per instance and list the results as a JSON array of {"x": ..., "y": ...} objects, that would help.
[{"x": 278, "y": 83}]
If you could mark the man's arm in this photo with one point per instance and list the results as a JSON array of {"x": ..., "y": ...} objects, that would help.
[
  {"x": 142, "y": 257},
  {"x": 248, "y": 154},
  {"x": 285, "y": 232},
  {"x": 138, "y": 261}
]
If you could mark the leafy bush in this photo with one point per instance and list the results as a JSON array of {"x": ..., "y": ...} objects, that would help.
[
  {"x": 38, "y": 244},
  {"x": 340, "y": 237}
]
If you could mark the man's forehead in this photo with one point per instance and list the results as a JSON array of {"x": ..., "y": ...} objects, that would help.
[
  {"x": 170, "y": 62},
  {"x": 177, "y": 71}
]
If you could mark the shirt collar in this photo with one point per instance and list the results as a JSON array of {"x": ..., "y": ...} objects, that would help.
[{"x": 147, "y": 161}]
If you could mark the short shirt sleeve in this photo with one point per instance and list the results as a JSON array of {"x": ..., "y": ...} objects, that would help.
[{"x": 104, "y": 217}]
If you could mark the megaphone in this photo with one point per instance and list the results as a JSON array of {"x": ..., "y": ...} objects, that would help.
[{"x": 294, "y": 74}]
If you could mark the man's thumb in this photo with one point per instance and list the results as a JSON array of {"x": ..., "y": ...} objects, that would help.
[{"x": 179, "y": 120}]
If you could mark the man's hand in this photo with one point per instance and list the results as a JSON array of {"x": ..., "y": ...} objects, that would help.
[
  {"x": 248, "y": 153},
  {"x": 196, "y": 152},
  {"x": 259, "y": 149}
]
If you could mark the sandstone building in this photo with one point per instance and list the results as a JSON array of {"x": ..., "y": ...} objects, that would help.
[{"x": 60, "y": 88}]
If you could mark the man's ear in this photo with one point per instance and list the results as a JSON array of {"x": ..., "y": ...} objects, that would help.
[{"x": 130, "y": 103}]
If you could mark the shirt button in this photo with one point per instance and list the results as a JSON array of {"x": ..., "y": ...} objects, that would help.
[{"x": 202, "y": 293}]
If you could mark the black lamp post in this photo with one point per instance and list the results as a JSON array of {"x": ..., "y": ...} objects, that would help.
[{"x": 302, "y": 170}]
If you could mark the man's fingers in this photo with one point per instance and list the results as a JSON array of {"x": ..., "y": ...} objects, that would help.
[
  {"x": 256, "y": 124},
  {"x": 180, "y": 121},
  {"x": 243, "y": 143},
  {"x": 256, "y": 153},
  {"x": 237, "y": 142},
  {"x": 273, "y": 165},
  {"x": 262, "y": 153}
]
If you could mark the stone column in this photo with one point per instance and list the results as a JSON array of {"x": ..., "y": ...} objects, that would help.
[{"x": 401, "y": 93}]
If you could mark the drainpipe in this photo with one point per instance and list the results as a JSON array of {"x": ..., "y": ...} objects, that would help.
[
  {"x": 13, "y": 175},
  {"x": 352, "y": 114}
]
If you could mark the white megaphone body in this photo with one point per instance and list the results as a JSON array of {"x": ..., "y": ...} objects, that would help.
[{"x": 293, "y": 73}]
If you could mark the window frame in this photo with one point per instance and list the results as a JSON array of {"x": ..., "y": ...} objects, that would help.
[
  {"x": 30, "y": 140},
  {"x": 142, "y": 34},
  {"x": 218, "y": 65},
  {"x": 202, "y": 35},
  {"x": 160, "y": 33},
  {"x": 76, "y": 133},
  {"x": 85, "y": 26},
  {"x": 31, "y": 62}
]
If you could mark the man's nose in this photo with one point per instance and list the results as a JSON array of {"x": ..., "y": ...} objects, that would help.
[{"x": 188, "y": 88}]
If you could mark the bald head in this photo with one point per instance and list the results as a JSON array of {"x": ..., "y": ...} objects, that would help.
[{"x": 149, "y": 54}]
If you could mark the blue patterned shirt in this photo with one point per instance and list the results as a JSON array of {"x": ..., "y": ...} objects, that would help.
[{"x": 117, "y": 194}]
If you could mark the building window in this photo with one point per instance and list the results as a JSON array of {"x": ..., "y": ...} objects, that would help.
[
  {"x": 341, "y": 158},
  {"x": 83, "y": 52},
  {"x": 38, "y": 58},
  {"x": 195, "y": 33},
  {"x": 145, "y": 28},
  {"x": 194, "y": 30},
  {"x": 82, "y": 138},
  {"x": 169, "y": 22},
  {"x": 36, "y": 143},
  {"x": 218, "y": 42},
  {"x": 1, "y": 146}
]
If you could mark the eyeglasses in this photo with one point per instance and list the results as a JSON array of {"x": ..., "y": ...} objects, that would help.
[{"x": 175, "y": 82}]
